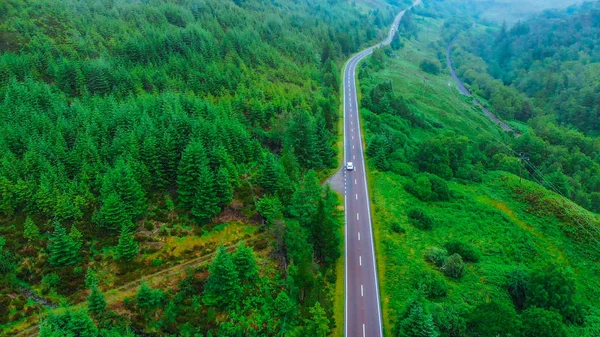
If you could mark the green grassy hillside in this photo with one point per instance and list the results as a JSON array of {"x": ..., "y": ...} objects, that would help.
[{"x": 516, "y": 240}]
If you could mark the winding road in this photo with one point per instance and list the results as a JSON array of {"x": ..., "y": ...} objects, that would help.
[{"x": 362, "y": 303}]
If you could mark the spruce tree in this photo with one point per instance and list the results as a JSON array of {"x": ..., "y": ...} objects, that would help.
[
  {"x": 113, "y": 214},
  {"x": 96, "y": 302},
  {"x": 91, "y": 278},
  {"x": 245, "y": 263},
  {"x": 76, "y": 237},
  {"x": 121, "y": 182},
  {"x": 31, "y": 232},
  {"x": 127, "y": 248},
  {"x": 325, "y": 231},
  {"x": 269, "y": 179},
  {"x": 130, "y": 190},
  {"x": 222, "y": 287},
  {"x": 62, "y": 249},
  {"x": 416, "y": 321},
  {"x": 223, "y": 188},
  {"x": 193, "y": 163},
  {"x": 305, "y": 201},
  {"x": 318, "y": 324},
  {"x": 205, "y": 204}
]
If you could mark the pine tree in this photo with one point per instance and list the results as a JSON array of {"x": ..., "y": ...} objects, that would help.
[
  {"x": 96, "y": 302},
  {"x": 326, "y": 235},
  {"x": 318, "y": 324},
  {"x": 269, "y": 179},
  {"x": 323, "y": 146},
  {"x": 416, "y": 321},
  {"x": 121, "y": 182},
  {"x": 305, "y": 201},
  {"x": 193, "y": 162},
  {"x": 222, "y": 287},
  {"x": 223, "y": 188},
  {"x": 148, "y": 298},
  {"x": 62, "y": 248},
  {"x": 113, "y": 215},
  {"x": 205, "y": 204},
  {"x": 76, "y": 237},
  {"x": 31, "y": 231},
  {"x": 91, "y": 278},
  {"x": 127, "y": 248},
  {"x": 245, "y": 263}
]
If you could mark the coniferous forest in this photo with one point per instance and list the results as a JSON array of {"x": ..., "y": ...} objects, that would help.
[
  {"x": 164, "y": 167},
  {"x": 161, "y": 164}
]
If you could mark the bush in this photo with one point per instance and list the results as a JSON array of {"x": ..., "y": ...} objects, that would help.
[
  {"x": 454, "y": 266},
  {"x": 466, "y": 251},
  {"x": 396, "y": 228},
  {"x": 432, "y": 285},
  {"x": 439, "y": 188},
  {"x": 430, "y": 67},
  {"x": 421, "y": 220},
  {"x": 429, "y": 187},
  {"x": 517, "y": 285},
  {"x": 436, "y": 255},
  {"x": 420, "y": 187},
  {"x": 542, "y": 323}
]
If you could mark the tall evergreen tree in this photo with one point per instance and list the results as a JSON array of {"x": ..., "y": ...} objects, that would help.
[
  {"x": 223, "y": 188},
  {"x": 416, "y": 321},
  {"x": 31, "y": 232},
  {"x": 325, "y": 231},
  {"x": 112, "y": 215},
  {"x": 305, "y": 201},
  {"x": 121, "y": 181},
  {"x": 76, "y": 237},
  {"x": 318, "y": 324},
  {"x": 193, "y": 161},
  {"x": 222, "y": 287},
  {"x": 245, "y": 263},
  {"x": 269, "y": 179},
  {"x": 96, "y": 302},
  {"x": 205, "y": 204},
  {"x": 127, "y": 248},
  {"x": 62, "y": 249}
]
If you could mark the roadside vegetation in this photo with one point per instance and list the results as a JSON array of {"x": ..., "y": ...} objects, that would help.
[
  {"x": 141, "y": 137},
  {"x": 467, "y": 247}
]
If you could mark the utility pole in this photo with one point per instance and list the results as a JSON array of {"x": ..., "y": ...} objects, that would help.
[{"x": 523, "y": 158}]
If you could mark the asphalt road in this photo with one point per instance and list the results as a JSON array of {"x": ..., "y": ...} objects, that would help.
[{"x": 363, "y": 308}]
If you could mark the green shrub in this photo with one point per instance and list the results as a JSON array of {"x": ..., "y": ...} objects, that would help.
[
  {"x": 439, "y": 188},
  {"x": 432, "y": 285},
  {"x": 420, "y": 187},
  {"x": 436, "y": 255},
  {"x": 157, "y": 262},
  {"x": 430, "y": 67},
  {"x": 396, "y": 228},
  {"x": 542, "y": 323},
  {"x": 465, "y": 250},
  {"x": 429, "y": 187},
  {"x": 454, "y": 266},
  {"x": 517, "y": 285},
  {"x": 420, "y": 219}
]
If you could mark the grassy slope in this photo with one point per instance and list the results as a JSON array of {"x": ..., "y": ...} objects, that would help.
[{"x": 491, "y": 215}]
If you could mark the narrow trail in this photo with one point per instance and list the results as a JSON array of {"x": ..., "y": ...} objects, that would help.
[{"x": 114, "y": 295}]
